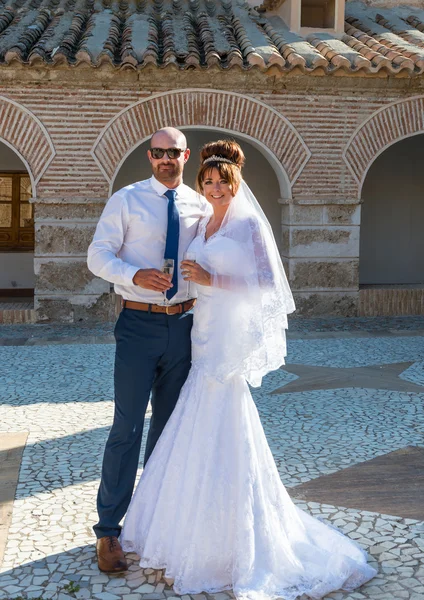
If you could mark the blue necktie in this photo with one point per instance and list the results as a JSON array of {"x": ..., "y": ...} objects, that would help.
[{"x": 172, "y": 239}]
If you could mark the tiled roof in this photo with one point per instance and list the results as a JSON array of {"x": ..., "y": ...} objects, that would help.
[{"x": 201, "y": 33}]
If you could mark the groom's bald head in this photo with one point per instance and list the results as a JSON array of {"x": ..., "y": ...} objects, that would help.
[
  {"x": 168, "y": 137},
  {"x": 169, "y": 171}
]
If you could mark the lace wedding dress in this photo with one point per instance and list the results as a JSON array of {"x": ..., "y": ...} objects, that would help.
[{"x": 210, "y": 507}]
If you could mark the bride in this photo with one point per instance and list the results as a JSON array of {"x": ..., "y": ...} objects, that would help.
[{"x": 210, "y": 507}]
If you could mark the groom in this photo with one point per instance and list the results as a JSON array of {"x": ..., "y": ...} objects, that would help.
[{"x": 141, "y": 225}]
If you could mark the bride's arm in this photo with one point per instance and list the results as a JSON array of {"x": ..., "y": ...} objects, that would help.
[{"x": 192, "y": 271}]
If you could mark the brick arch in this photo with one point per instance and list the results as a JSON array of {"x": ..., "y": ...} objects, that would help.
[
  {"x": 202, "y": 108},
  {"x": 388, "y": 125},
  {"x": 24, "y": 133}
]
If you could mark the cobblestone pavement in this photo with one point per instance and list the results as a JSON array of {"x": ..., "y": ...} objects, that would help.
[
  {"x": 61, "y": 394},
  {"x": 48, "y": 333}
]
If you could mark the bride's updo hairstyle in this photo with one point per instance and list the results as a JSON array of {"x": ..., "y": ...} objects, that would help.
[{"x": 227, "y": 157}]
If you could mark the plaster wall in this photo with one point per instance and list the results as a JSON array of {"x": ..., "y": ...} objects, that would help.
[{"x": 17, "y": 270}]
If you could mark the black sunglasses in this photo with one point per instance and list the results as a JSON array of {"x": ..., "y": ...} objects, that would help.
[{"x": 171, "y": 152}]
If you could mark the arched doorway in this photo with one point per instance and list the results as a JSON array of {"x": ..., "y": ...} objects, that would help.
[
  {"x": 391, "y": 239},
  {"x": 16, "y": 229},
  {"x": 258, "y": 172}
]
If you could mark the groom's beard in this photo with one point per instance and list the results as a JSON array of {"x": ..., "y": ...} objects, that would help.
[{"x": 165, "y": 172}]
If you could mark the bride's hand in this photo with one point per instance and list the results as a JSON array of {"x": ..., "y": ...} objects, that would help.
[{"x": 192, "y": 271}]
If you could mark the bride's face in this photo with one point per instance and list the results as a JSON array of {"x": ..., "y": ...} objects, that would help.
[{"x": 217, "y": 190}]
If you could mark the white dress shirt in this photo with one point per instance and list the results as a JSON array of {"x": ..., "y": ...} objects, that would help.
[{"x": 131, "y": 235}]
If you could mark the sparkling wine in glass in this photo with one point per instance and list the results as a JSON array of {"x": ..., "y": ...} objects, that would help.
[
  {"x": 168, "y": 269},
  {"x": 189, "y": 256}
]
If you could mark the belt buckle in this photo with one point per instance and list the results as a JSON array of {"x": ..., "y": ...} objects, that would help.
[{"x": 167, "y": 307}]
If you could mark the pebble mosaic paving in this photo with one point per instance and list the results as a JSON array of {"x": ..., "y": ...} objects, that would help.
[{"x": 61, "y": 395}]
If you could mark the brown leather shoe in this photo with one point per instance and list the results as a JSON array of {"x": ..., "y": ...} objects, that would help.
[{"x": 110, "y": 556}]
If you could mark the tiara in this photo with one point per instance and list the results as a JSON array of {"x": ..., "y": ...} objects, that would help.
[{"x": 216, "y": 158}]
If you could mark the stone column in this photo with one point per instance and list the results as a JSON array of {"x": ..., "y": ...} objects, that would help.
[
  {"x": 321, "y": 252},
  {"x": 65, "y": 290}
]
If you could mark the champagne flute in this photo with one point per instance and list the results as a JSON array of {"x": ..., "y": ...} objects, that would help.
[
  {"x": 168, "y": 269},
  {"x": 189, "y": 256}
]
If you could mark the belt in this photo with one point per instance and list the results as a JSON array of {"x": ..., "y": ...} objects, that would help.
[{"x": 172, "y": 309}]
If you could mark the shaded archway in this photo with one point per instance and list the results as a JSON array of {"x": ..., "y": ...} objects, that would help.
[
  {"x": 259, "y": 173},
  {"x": 26, "y": 150},
  {"x": 391, "y": 261},
  {"x": 386, "y": 126},
  {"x": 392, "y": 240}
]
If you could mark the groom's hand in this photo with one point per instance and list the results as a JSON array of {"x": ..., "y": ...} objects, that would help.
[{"x": 152, "y": 279}]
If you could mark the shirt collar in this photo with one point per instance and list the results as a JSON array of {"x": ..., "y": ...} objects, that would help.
[{"x": 160, "y": 188}]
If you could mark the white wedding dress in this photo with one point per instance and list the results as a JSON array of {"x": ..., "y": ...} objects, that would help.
[{"x": 210, "y": 507}]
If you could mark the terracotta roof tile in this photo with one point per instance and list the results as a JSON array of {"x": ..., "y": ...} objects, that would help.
[
  {"x": 336, "y": 52},
  {"x": 376, "y": 59},
  {"x": 295, "y": 49},
  {"x": 382, "y": 55},
  {"x": 401, "y": 28},
  {"x": 199, "y": 34},
  {"x": 380, "y": 33},
  {"x": 255, "y": 45},
  {"x": 139, "y": 40}
]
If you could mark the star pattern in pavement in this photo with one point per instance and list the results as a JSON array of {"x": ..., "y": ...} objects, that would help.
[
  {"x": 378, "y": 377},
  {"x": 391, "y": 484}
]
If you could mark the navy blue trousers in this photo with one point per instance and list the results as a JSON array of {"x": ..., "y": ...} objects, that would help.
[{"x": 153, "y": 356}]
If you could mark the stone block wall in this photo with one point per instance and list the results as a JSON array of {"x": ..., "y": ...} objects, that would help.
[
  {"x": 66, "y": 289},
  {"x": 321, "y": 246}
]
